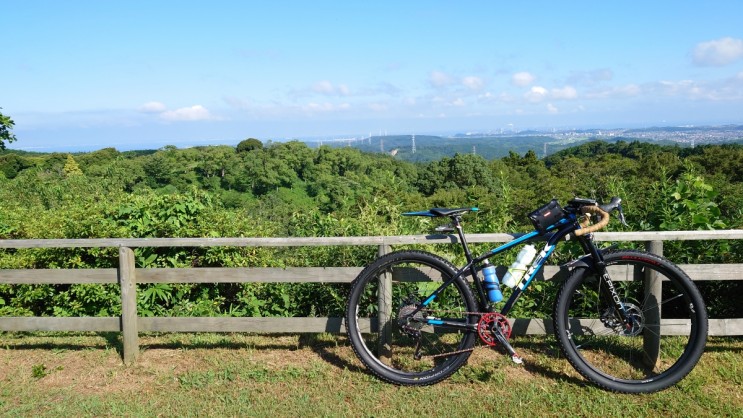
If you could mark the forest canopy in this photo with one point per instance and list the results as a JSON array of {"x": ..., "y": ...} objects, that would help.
[{"x": 281, "y": 189}]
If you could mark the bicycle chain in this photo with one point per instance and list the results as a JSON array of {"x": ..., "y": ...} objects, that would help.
[{"x": 452, "y": 353}]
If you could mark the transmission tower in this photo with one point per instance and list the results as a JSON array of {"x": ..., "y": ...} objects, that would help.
[{"x": 413, "y": 139}]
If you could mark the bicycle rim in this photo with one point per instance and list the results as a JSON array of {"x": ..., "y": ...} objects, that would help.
[
  {"x": 393, "y": 346},
  {"x": 664, "y": 341}
]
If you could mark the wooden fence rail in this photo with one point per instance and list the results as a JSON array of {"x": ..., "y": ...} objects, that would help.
[{"x": 127, "y": 276}]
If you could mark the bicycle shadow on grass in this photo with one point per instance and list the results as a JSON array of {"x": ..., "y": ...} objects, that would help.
[
  {"x": 547, "y": 348},
  {"x": 328, "y": 351}
]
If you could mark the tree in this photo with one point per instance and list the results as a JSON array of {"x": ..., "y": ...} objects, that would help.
[
  {"x": 249, "y": 145},
  {"x": 71, "y": 168},
  {"x": 6, "y": 124}
]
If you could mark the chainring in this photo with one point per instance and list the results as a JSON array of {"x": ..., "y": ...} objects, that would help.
[{"x": 485, "y": 327}]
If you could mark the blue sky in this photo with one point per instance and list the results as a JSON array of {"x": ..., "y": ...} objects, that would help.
[{"x": 83, "y": 75}]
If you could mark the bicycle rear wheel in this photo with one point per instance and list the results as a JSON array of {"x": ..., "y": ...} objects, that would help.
[
  {"x": 381, "y": 324},
  {"x": 664, "y": 341}
]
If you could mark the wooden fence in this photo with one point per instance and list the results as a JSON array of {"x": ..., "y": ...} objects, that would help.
[{"x": 127, "y": 276}]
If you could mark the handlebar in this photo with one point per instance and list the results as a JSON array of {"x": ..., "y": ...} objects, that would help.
[{"x": 594, "y": 210}]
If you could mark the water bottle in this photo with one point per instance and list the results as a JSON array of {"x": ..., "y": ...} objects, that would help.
[
  {"x": 492, "y": 286},
  {"x": 519, "y": 267}
]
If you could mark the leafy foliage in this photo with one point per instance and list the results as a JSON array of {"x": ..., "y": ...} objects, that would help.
[
  {"x": 289, "y": 189},
  {"x": 6, "y": 127}
]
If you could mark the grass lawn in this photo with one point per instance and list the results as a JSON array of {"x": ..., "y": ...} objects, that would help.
[{"x": 318, "y": 375}]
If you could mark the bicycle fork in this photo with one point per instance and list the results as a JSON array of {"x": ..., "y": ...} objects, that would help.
[{"x": 606, "y": 285}]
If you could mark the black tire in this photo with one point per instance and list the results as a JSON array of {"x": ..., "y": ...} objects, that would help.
[
  {"x": 412, "y": 275},
  {"x": 614, "y": 357}
]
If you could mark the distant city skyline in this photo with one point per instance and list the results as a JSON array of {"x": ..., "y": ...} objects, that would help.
[{"x": 83, "y": 75}]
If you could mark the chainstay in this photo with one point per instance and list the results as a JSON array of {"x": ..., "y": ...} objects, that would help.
[
  {"x": 453, "y": 353},
  {"x": 450, "y": 353}
]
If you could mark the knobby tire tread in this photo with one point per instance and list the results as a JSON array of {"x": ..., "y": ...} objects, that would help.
[
  {"x": 693, "y": 354},
  {"x": 373, "y": 365}
]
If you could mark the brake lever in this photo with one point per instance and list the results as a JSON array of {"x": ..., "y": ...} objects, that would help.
[{"x": 621, "y": 216}]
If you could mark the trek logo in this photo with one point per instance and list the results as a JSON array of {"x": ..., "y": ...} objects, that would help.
[{"x": 537, "y": 262}]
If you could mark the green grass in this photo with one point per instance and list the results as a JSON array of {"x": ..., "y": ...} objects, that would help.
[{"x": 318, "y": 375}]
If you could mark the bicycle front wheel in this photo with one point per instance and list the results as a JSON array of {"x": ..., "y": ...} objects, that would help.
[
  {"x": 395, "y": 342},
  {"x": 659, "y": 345}
]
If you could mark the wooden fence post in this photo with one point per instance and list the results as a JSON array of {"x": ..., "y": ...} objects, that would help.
[
  {"x": 651, "y": 308},
  {"x": 384, "y": 305},
  {"x": 128, "y": 283}
]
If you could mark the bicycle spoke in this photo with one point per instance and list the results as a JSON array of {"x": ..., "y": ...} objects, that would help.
[{"x": 615, "y": 353}]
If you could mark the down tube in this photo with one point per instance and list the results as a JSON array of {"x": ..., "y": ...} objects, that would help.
[{"x": 529, "y": 276}]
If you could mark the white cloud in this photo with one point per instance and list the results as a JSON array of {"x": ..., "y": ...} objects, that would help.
[
  {"x": 152, "y": 107},
  {"x": 522, "y": 79},
  {"x": 326, "y": 107},
  {"x": 473, "y": 83},
  {"x": 536, "y": 94},
  {"x": 323, "y": 87},
  {"x": 718, "y": 53},
  {"x": 629, "y": 90},
  {"x": 458, "y": 102},
  {"x": 329, "y": 89},
  {"x": 377, "y": 107},
  {"x": 721, "y": 90},
  {"x": 565, "y": 93},
  {"x": 193, "y": 113},
  {"x": 319, "y": 107},
  {"x": 440, "y": 79},
  {"x": 552, "y": 109},
  {"x": 590, "y": 78}
]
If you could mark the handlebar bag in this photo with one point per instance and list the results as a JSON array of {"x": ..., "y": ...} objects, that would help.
[{"x": 546, "y": 216}]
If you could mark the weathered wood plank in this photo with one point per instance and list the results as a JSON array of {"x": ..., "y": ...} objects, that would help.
[
  {"x": 249, "y": 274},
  {"x": 34, "y": 323},
  {"x": 128, "y": 282},
  {"x": 58, "y": 276},
  {"x": 726, "y": 327},
  {"x": 251, "y": 324},
  {"x": 717, "y": 327},
  {"x": 698, "y": 272},
  {"x": 326, "y": 241},
  {"x": 520, "y": 326},
  {"x": 713, "y": 272}
]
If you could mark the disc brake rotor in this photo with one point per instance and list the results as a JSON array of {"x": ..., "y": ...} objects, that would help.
[{"x": 634, "y": 315}]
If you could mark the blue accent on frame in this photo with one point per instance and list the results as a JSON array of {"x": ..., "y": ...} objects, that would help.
[
  {"x": 516, "y": 241},
  {"x": 435, "y": 322},
  {"x": 429, "y": 300}
]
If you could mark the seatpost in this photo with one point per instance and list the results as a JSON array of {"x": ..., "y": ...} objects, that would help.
[{"x": 457, "y": 222}]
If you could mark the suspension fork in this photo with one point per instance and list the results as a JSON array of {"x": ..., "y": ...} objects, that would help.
[{"x": 606, "y": 285}]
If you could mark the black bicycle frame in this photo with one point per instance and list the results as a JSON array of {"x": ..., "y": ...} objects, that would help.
[{"x": 561, "y": 229}]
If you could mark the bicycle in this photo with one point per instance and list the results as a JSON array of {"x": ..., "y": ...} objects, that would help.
[{"x": 408, "y": 329}]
